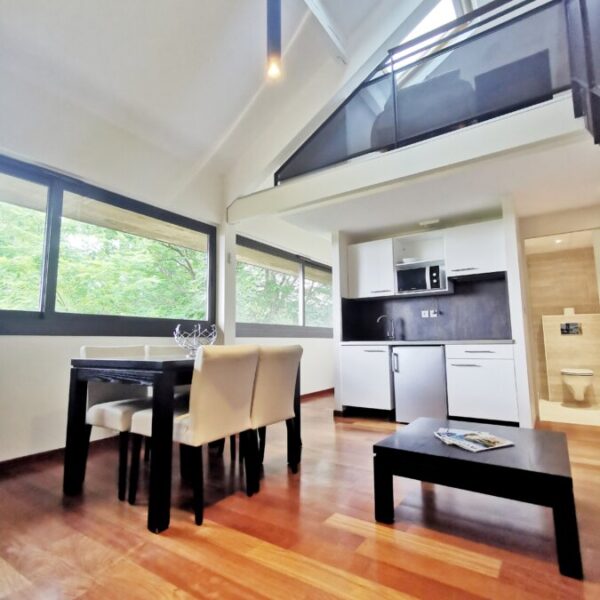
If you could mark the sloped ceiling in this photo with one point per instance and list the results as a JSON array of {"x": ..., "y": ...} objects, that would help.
[
  {"x": 173, "y": 72},
  {"x": 171, "y": 86}
]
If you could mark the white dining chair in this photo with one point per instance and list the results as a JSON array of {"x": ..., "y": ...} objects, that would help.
[
  {"x": 168, "y": 351},
  {"x": 273, "y": 399},
  {"x": 220, "y": 402},
  {"x": 111, "y": 405}
]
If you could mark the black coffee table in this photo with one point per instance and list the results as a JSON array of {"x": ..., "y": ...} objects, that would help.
[{"x": 535, "y": 470}]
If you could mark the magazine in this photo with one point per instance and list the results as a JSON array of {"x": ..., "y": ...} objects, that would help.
[{"x": 473, "y": 441}]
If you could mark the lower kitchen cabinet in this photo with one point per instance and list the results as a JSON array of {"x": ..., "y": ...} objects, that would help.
[
  {"x": 366, "y": 377},
  {"x": 482, "y": 389}
]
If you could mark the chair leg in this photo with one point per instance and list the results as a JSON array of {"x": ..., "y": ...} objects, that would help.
[
  {"x": 123, "y": 450},
  {"x": 134, "y": 473},
  {"x": 197, "y": 468},
  {"x": 292, "y": 446},
  {"x": 250, "y": 444},
  {"x": 186, "y": 462},
  {"x": 147, "y": 448},
  {"x": 232, "y": 446},
  {"x": 262, "y": 436}
]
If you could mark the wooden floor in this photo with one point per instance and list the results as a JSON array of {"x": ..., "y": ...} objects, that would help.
[{"x": 310, "y": 535}]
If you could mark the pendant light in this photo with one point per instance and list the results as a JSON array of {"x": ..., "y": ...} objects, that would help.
[{"x": 273, "y": 39}]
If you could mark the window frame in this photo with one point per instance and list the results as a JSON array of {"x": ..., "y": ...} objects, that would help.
[
  {"x": 270, "y": 330},
  {"x": 47, "y": 321}
]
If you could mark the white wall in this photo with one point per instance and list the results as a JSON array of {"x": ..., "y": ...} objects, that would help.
[
  {"x": 316, "y": 372},
  {"x": 34, "y": 384}
]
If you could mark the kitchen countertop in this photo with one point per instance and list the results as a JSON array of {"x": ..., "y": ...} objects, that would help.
[{"x": 425, "y": 342}]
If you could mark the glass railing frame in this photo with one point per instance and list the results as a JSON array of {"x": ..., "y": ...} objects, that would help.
[{"x": 453, "y": 29}]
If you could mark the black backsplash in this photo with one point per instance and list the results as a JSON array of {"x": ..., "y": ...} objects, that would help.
[{"x": 478, "y": 310}]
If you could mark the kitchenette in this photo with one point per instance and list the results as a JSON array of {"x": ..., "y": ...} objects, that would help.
[{"x": 426, "y": 327}]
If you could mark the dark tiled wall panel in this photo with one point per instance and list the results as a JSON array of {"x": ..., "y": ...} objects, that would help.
[{"x": 478, "y": 310}]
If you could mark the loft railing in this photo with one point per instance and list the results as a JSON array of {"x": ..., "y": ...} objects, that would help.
[
  {"x": 492, "y": 61},
  {"x": 583, "y": 27}
]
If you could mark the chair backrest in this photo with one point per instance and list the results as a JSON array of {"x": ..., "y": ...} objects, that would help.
[
  {"x": 99, "y": 392},
  {"x": 221, "y": 393},
  {"x": 275, "y": 384},
  {"x": 166, "y": 350}
]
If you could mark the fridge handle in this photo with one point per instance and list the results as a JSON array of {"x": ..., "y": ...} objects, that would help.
[{"x": 395, "y": 366}]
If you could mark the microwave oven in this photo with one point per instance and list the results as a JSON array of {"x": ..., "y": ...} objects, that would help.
[{"x": 421, "y": 277}]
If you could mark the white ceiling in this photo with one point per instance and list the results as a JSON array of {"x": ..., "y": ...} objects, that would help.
[
  {"x": 540, "y": 180},
  {"x": 560, "y": 243},
  {"x": 173, "y": 72}
]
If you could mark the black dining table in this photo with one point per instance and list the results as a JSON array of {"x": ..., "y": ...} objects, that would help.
[{"x": 163, "y": 375}]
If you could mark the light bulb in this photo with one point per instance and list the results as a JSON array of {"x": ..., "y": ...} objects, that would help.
[{"x": 274, "y": 69}]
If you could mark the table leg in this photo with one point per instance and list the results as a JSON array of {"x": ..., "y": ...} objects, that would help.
[
  {"x": 159, "y": 502},
  {"x": 384, "y": 490},
  {"x": 297, "y": 415},
  {"x": 567, "y": 534},
  {"x": 78, "y": 437}
]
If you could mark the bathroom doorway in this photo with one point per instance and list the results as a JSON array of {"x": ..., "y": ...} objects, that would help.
[{"x": 564, "y": 313}]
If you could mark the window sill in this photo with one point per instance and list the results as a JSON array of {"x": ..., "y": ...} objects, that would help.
[{"x": 262, "y": 330}]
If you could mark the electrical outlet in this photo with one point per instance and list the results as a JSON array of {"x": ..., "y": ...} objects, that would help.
[
  {"x": 424, "y": 314},
  {"x": 433, "y": 313}
]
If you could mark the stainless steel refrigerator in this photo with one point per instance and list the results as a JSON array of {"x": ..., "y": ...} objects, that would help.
[{"x": 419, "y": 382}]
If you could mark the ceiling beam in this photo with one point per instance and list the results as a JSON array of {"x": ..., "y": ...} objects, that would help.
[{"x": 320, "y": 13}]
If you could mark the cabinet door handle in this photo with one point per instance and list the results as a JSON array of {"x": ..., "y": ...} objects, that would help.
[
  {"x": 379, "y": 291},
  {"x": 365, "y": 350},
  {"x": 395, "y": 365},
  {"x": 464, "y": 269},
  {"x": 465, "y": 365},
  {"x": 480, "y": 352}
]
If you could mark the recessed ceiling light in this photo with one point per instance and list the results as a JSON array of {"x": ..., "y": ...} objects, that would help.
[
  {"x": 559, "y": 241},
  {"x": 429, "y": 222}
]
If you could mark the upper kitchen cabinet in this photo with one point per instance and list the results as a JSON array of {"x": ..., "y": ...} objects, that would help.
[
  {"x": 475, "y": 249},
  {"x": 371, "y": 269}
]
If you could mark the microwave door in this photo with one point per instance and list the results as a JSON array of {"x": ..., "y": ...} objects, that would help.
[{"x": 410, "y": 280}]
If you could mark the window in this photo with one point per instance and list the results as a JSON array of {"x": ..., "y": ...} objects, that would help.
[
  {"x": 22, "y": 227},
  {"x": 117, "y": 262},
  {"x": 78, "y": 260},
  {"x": 317, "y": 297},
  {"x": 279, "y": 294}
]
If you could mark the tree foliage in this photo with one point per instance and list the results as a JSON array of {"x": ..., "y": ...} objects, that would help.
[{"x": 103, "y": 271}]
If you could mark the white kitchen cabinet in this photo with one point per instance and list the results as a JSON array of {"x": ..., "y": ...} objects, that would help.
[
  {"x": 366, "y": 377},
  {"x": 476, "y": 248},
  {"x": 371, "y": 269},
  {"x": 482, "y": 388}
]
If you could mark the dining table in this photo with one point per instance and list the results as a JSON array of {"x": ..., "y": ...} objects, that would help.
[{"x": 162, "y": 375}]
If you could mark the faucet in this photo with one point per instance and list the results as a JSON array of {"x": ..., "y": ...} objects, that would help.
[{"x": 390, "y": 333}]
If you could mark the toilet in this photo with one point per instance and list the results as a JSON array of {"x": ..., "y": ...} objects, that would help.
[{"x": 578, "y": 381}]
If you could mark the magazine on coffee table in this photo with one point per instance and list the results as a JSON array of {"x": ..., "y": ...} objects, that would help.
[{"x": 473, "y": 441}]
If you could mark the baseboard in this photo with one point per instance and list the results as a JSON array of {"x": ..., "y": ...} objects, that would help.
[
  {"x": 31, "y": 459},
  {"x": 366, "y": 413},
  {"x": 315, "y": 395}
]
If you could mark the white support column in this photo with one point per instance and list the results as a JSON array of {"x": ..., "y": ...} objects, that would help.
[
  {"x": 226, "y": 283},
  {"x": 516, "y": 278},
  {"x": 340, "y": 289}
]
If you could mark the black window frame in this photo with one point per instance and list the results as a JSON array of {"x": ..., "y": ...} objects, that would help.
[
  {"x": 47, "y": 321},
  {"x": 267, "y": 330}
]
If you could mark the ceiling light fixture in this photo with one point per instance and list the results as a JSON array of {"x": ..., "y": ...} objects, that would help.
[
  {"x": 429, "y": 222},
  {"x": 273, "y": 39},
  {"x": 559, "y": 241}
]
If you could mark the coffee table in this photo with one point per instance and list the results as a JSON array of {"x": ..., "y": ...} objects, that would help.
[{"x": 535, "y": 470}]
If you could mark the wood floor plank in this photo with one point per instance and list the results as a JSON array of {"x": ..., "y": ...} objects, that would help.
[
  {"x": 337, "y": 583},
  {"x": 408, "y": 542},
  {"x": 11, "y": 580},
  {"x": 306, "y": 536}
]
